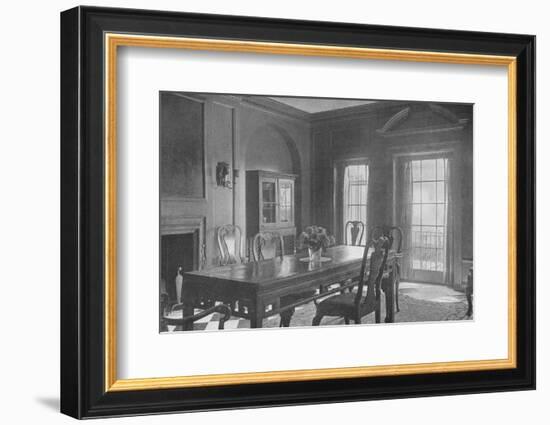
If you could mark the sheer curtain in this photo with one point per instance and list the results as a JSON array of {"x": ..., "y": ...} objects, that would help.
[
  {"x": 449, "y": 225},
  {"x": 406, "y": 217}
]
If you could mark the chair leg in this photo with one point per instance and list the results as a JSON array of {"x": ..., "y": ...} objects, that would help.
[
  {"x": 317, "y": 320},
  {"x": 286, "y": 317},
  {"x": 397, "y": 279}
]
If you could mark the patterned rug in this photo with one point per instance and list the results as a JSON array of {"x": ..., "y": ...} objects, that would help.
[{"x": 448, "y": 306}]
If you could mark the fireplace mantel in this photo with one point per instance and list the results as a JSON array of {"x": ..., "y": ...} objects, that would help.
[{"x": 178, "y": 225}]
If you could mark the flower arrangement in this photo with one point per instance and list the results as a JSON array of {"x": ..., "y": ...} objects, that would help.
[{"x": 314, "y": 238}]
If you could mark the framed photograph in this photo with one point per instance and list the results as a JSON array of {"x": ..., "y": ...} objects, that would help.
[{"x": 261, "y": 212}]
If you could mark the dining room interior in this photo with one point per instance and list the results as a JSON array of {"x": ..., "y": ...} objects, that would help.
[{"x": 280, "y": 212}]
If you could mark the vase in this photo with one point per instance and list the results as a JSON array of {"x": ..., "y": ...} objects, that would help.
[
  {"x": 315, "y": 254},
  {"x": 179, "y": 284}
]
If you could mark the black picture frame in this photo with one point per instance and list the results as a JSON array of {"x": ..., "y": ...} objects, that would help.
[{"x": 83, "y": 392}]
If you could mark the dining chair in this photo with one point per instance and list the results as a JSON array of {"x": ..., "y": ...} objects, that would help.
[
  {"x": 269, "y": 245},
  {"x": 229, "y": 244},
  {"x": 356, "y": 305},
  {"x": 169, "y": 317},
  {"x": 396, "y": 235},
  {"x": 356, "y": 229},
  {"x": 394, "y": 232}
]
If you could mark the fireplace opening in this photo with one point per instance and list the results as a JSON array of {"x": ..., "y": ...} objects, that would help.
[{"x": 177, "y": 251}]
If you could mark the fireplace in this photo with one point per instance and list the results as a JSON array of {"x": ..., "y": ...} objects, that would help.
[{"x": 181, "y": 248}]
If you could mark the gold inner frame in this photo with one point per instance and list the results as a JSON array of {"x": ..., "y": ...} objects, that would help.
[{"x": 113, "y": 41}]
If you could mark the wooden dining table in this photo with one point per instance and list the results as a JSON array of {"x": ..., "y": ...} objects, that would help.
[{"x": 253, "y": 290}]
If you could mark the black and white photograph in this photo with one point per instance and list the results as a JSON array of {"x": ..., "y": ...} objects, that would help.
[{"x": 281, "y": 212}]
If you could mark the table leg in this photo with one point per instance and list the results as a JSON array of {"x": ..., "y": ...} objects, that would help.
[
  {"x": 187, "y": 306},
  {"x": 286, "y": 317},
  {"x": 188, "y": 311},
  {"x": 257, "y": 315}
]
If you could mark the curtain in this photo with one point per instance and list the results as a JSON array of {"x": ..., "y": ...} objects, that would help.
[
  {"x": 346, "y": 197},
  {"x": 406, "y": 217},
  {"x": 449, "y": 225}
]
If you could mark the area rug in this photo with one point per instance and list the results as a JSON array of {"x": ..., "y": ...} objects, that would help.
[{"x": 411, "y": 310}]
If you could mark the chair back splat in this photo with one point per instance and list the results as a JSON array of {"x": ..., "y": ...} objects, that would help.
[
  {"x": 356, "y": 231},
  {"x": 229, "y": 244},
  {"x": 376, "y": 269},
  {"x": 266, "y": 245},
  {"x": 393, "y": 232}
]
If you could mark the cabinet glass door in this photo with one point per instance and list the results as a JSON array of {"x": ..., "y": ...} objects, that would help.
[
  {"x": 269, "y": 201},
  {"x": 286, "y": 201}
]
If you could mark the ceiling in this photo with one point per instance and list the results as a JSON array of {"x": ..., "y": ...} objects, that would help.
[{"x": 313, "y": 105}]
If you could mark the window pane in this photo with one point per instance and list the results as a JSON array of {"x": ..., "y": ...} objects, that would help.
[
  {"x": 417, "y": 217},
  {"x": 428, "y": 214},
  {"x": 416, "y": 257},
  {"x": 417, "y": 193},
  {"x": 440, "y": 192},
  {"x": 432, "y": 260},
  {"x": 428, "y": 169},
  {"x": 428, "y": 192},
  {"x": 429, "y": 238},
  {"x": 416, "y": 236},
  {"x": 422, "y": 238},
  {"x": 355, "y": 194}
]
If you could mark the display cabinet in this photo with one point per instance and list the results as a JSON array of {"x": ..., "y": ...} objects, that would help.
[{"x": 270, "y": 205}]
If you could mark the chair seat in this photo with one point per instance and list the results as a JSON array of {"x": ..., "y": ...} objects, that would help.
[
  {"x": 343, "y": 305},
  {"x": 338, "y": 305}
]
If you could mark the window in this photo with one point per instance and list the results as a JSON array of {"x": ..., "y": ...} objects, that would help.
[
  {"x": 356, "y": 181},
  {"x": 429, "y": 214}
]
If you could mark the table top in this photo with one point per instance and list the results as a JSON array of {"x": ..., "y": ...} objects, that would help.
[{"x": 280, "y": 269}]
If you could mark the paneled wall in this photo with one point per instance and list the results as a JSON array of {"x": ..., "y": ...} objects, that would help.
[
  {"x": 243, "y": 135},
  {"x": 358, "y": 136}
]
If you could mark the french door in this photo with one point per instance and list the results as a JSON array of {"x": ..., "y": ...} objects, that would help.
[{"x": 426, "y": 218}]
